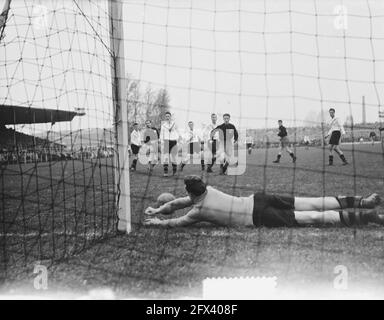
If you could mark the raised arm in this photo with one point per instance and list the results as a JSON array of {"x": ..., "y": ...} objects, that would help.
[
  {"x": 162, "y": 133},
  {"x": 329, "y": 132},
  {"x": 236, "y": 134},
  {"x": 342, "y": 130},
  {"x": 170, "y": 207}
]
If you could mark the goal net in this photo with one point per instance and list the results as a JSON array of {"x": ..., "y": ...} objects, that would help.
[
  {"x": 60, "y": 167},
  {"x": 259, "y": 61}
]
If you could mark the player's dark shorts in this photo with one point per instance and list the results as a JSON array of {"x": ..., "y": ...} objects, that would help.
[
  {"x": 284, "y": 142},
  {"x": 213, "y": 146},
  {"x": 194, "y": 147},
  {"x": 249, "y": 145},
  {"x": 170, "y": 146},
  {"x": 335, "y": 138},
  {"x": 273, "y": 211},
  {"x": 135, "y": 149}
]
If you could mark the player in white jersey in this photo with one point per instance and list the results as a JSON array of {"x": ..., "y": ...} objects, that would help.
[
  {"x": 249, "y": 143},
  {"x": 260, "y": 209},
  {"x": 335, "y": 131},
  {"x": 193, "y": 146},
  {"x": 169, "y": 136},
  {"x": 212, "y": 140},
  {"x": 136, "y": 142},
  {"x": 307, "y": 141},
  {"x": 151, "y": 144}
]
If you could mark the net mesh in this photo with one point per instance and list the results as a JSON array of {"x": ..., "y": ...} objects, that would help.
[
  {"x": 260, "y": 61},
  {"x": 57, "y": 178}
]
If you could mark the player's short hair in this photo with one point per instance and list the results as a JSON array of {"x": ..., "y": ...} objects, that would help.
[
  {"x": 226, "y": 115},
  {"x": 195, "y": 185},
  {"x": 168, "y": 113},
  {"x": 213, "y": 114},
  {"x": 135, "y": 124},
  {"x": 279, "y": 120},
  {"x": 190, "y": 121},
  {"x": 332, "y": 109}
]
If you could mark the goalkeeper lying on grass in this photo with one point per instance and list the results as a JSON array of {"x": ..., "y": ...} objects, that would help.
[{"x": 214, "y": 206}]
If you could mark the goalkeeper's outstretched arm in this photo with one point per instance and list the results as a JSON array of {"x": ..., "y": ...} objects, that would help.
[
  {"x": 190, "y": 218},
  {"x": 170, "y": 207}
]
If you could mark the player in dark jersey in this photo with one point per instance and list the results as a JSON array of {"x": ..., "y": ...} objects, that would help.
[
  {"x": 284, "y": 143},
  {"x": 228, "y": 137},
  {"x": 372, "y": 137},
  {"x": 151, "y": 143}
]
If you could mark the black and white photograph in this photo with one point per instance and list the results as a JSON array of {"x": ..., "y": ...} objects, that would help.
[{"x": 195, "y": 150}]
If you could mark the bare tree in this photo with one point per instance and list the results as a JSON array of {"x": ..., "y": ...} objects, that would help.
[
  {"x": 148, "y": 101},
  {"x": 134, "y": 101},
  {"x": 150, "y": 104},
  {"x": 160, "y": 106}
]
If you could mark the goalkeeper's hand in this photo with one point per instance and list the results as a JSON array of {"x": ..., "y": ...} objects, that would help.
[
  {"x": 151, "y": 211},
  {"x": 152, "y": 222}
]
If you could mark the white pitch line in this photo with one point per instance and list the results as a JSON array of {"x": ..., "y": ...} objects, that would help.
[{"x": 36, "y": 234}]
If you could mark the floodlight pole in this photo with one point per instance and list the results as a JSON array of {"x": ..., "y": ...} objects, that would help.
[{"x": 121, "y": 160}]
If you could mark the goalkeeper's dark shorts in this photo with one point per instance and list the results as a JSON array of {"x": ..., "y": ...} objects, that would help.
[{"x": 273, "y": 211}]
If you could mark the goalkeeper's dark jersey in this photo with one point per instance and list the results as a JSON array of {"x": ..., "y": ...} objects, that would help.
[
  {"x": 151, "y": 134},
  {"x": 227, "y": 132},
  {"x": 282, "y": 132}
]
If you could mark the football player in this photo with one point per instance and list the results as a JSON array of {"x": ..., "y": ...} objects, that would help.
[
  {"x": 259, "y": 209},
  {"x": 284, "y": 143},
  {"x": 335, "y": 131}
]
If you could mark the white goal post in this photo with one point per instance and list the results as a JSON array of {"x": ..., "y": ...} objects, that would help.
[{"x": 120, "y": 116}]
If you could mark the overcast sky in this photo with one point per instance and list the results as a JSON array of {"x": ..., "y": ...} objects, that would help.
[{"x": 258, "y": 60}]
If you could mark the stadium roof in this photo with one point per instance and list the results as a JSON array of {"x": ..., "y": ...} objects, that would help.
[{"x": 26, "y": 115}]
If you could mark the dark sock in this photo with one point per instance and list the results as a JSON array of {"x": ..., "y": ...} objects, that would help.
[
  {"x": 174, "y": 168},
  {"x": 353, "y": 218},
  {"x": 343, "y": 158},
  {"x": 371, "y": 216},
  {"x": 330, "y": 160},
  {"x": 166, "y": 168},
  {"x": 134, "y": 163},
  {"x": 349, "y": 202},
  {"x": 202, "y": 164},
  {"x": 292, "y": 155},
  {"x": 225, "y": 166}
]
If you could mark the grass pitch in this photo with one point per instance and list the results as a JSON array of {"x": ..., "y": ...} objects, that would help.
[{"x": 172, "y": 263}]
